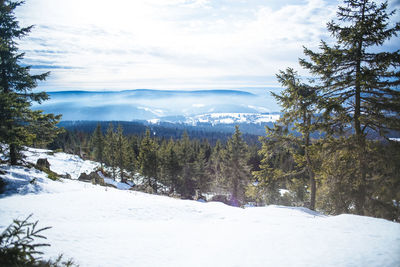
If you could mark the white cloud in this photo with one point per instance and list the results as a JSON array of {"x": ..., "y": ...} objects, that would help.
[{"x": 95, "y": 44}]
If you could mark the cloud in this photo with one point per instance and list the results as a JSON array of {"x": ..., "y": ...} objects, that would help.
[{"x": 170, "y": 43}]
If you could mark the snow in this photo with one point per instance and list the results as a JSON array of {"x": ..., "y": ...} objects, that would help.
[
  {"x": 118, "y": 185},
  {"x": 154, "y": 121},
  {"x": 62, "y": 163},
  {"x": 282, "y": 192},
  {"x": 103, "y": 226},
  {"x": 230, "y": 118}
]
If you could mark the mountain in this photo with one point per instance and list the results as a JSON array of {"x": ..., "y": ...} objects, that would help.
[
  {"x": 146, "y": 104},
  {"x": 224, "y": 118}
]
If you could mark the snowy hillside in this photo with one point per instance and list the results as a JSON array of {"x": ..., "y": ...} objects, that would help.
[
  {"x": 147, "y": 104},
  {"x": 219, "y": 118},
  {"x": 102, "y": 226},
  {"x": 230, "y": 118}
]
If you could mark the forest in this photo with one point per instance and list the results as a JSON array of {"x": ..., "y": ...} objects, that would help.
[{"x": 352, "y": 91}]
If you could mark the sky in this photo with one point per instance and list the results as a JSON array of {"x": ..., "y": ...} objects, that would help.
[{"x": 171, "y": 44}]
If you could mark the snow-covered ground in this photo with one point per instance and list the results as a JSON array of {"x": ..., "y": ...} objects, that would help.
[
  {"x": 223, "y": 118},
  {"x": 62, "y": 163},
  {"x": 230, "y": 118},
  {"x": 102, "y": 226}
]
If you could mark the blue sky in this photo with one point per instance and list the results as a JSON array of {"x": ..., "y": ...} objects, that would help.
[{"x": 170, "y": 44}]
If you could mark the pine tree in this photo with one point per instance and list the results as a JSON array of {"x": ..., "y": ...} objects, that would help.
[
  {"x": 200, "y": 172},
  {"x": 235, "y": 169},
  {"x": 147, "y": 160},
  {"x": 358, "y": 85},
  {"x": 97, "y": 143},
  {"x": 215, "y": 166},
  {"x": 121, "y": 153},
  {"x": 277, "y": 164},
  {"x": 169, "y": 165},
  {"x": 186, "y": 155},
  {"x": 17, "y": 120},
  {"x": 298, "y": 101},
  {"x": 110, "y": 150},
  {"x": 132, "y": 154}
]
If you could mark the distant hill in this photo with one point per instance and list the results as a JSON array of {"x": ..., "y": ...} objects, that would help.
[{"x": 147, "y": 104}]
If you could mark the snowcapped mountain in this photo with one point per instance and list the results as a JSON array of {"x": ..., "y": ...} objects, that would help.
[
  {"x": 232, "y": 118},
  {"x": 145, "y": 104},
  {"x": 103, "y": 226},
  {"x": 219, "y": 118}
]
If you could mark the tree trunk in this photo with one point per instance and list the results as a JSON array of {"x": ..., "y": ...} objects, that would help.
[
  {"x": 313, "y": 186},
  {"x": 234, "y": 200},
  {"x": 13, "y": 154},
  {"x": 360, "y": 139}
]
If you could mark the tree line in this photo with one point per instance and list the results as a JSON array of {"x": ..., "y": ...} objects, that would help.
[
  {"x": 185, "y": 167},
  {"x": 351, "y": 92}
]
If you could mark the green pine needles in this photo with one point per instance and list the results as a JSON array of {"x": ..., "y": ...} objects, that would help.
[
  {"x": 18, "y": 246},
  {"x": 19, "y": 125}
]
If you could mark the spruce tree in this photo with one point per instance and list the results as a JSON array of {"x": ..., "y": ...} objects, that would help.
[
  {"x": 132, "y": 154},
  {"x": 200, "y": 172},
  {"x": 97, "y": 143},
  {"x": 277, "y": 164},
  {"x": 298, "y": 101},
  {"x": 169, "y": 165},
  {"x": 147, "y": 160},
  {"x": 17, "y": 120},
  {"x": 110, "y": 150},
  {"x": 359, "y": 85},
  {"x": 187, "y": 156},
  {"x": 214, "y": 167},
  {"x": 235, "y": 169},
  {"x": 121, "y": 152}
]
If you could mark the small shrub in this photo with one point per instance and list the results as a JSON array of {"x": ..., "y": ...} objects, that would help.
[
  {"x": 50, "y": 174},
  {"x": 18, "y": 246}
]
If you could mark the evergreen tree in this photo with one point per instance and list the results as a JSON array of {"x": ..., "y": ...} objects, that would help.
[
  {"x": 147, "y": 160},
  {"x": 235, "y": 169},
  {"x": 186, "y": 155},
  {"x": 215, "y": 167},
  {"x": 277, "y": 164},
  {"x": 110, "y": 150},
  {"x": 121, "y": 146},
  {"x": 17, "y": 120},
  {"x": 298, "y": 101},
  {"x": 132, "y": 154},
  {"x": 97, "y": 144},
  {"x": 200, "y": 172},
  {"x": 359, "y": 86},
  {"x": 169, "y": 165}
]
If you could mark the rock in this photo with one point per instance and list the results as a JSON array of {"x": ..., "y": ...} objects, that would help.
[
  {"x": 144, "y": 188},
  {"x": 220, "y": 198},
  {"x": 65, "y": 176},
  {"x": 42, "y": 163},
  {"x": 93, "y": 177},
  {"x": 84, "y": 177}
]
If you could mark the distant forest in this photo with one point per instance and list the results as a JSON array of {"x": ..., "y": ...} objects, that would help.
[
  {"x": 351, "y": 95},
  {"x": 166, "y": 130}
]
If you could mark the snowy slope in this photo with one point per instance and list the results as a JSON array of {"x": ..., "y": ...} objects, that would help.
[
  {"x": 100, "y": 226},
  {"x": 230, "y": 118},
  {"x": 220, "y": 118},
  {"x": 62, "y": 163}
]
